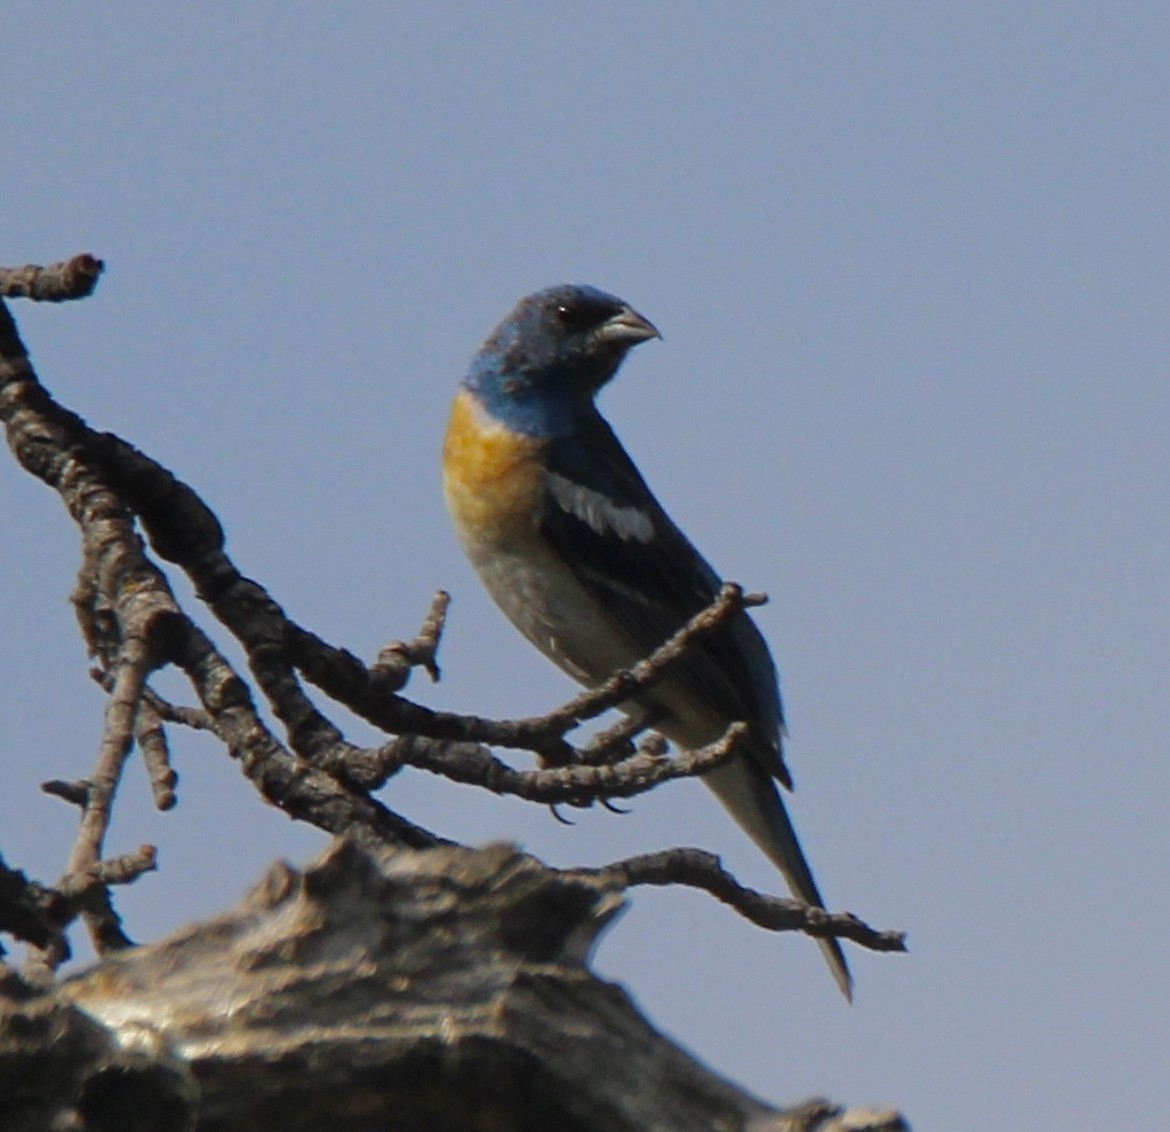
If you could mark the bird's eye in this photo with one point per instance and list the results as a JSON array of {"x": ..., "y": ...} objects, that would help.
[{"x": 568, "y": 315}]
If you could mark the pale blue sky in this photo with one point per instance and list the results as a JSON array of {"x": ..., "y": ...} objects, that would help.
[{"x": 912, "y": 267}]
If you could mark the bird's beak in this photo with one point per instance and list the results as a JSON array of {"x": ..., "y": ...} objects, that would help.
[{"x": 627, "y": 328}]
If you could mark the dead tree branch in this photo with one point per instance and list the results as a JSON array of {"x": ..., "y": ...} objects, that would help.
[{"x": 388, "y": 989}]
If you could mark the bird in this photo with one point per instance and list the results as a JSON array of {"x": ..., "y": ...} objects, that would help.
[{"x": 575, "y": 549}]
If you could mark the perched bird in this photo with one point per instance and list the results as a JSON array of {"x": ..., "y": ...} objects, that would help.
[{"x": 575, "y": 549}]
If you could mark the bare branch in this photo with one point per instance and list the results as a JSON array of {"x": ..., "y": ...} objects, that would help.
[
  {"x": 131, "y": 622},
  {"x": 76, "y": 792},
  {"x": 115, "y": 870},
  {"x": 27, "y": 909},
  {"x": 395, "y": 661},
  {"x": 576, "y": 784},
  {"x": 344, "y": 678},
  {"x": 195, "y": 718},
  {"x": 39, "y": 914},
  {"x": 116, "y": 743},
  {"x": 612, "y": 744},
  {"x": 151, "y": 739},
  {"x": 302, "y": 791},
  {"x": 74, "y": 279},
  {"x": 695, "y": 868}
]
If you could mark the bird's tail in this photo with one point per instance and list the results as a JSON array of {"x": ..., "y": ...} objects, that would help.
[{"x": 755, "y": 803}]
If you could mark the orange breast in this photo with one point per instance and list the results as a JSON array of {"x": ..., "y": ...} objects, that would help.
[{"x": 491, "y": 478}]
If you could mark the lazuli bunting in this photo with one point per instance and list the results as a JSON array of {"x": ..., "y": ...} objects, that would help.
[{"x": 575, "y": 549}]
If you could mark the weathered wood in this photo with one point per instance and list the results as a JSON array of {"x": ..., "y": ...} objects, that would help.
[{"x": 439, "y": 989}]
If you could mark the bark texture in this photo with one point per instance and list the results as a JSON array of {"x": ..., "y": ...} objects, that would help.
[{"x": 438, "y": 989}]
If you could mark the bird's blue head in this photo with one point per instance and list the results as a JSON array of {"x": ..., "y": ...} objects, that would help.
[{"x": 543, "y": 365}]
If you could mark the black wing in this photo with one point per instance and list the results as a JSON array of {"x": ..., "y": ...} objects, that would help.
[{"x": 604, "y": 522}]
